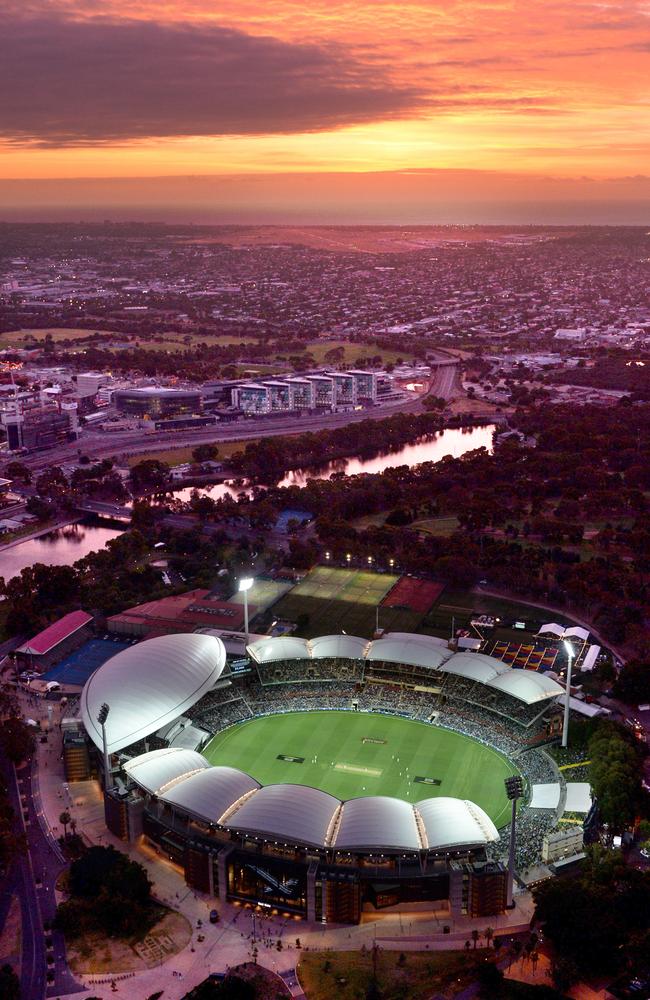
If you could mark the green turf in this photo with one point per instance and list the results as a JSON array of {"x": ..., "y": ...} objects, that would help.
[
  {"x": 336, "y": 600},
  {"x": 465, "y": 768}
]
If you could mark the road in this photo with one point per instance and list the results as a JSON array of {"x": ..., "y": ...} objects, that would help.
[
  {"x": 32, "y": 879},
  {"x": 98, "y": 445}
]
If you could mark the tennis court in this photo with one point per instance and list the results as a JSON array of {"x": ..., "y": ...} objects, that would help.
[
  {"x": 331, "y": 600},
  {"x": 356, "y": 586},
  {"x": 411, "y": 592},
  {"x": 263, "y": 594}
]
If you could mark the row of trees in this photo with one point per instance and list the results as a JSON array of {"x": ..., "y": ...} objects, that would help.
[{"x": 598, "y": 924}]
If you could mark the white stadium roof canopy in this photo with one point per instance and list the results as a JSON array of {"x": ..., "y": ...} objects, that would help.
[
  {"x": 350, "y": 647},
  {"x": 413, "y": 650},
  {"x": 148, "y": 685},
  {"x": 378, "y": 821},
  {"x": 448, "y": 822},
  {"x": 476, "y": 667},
  {"x": 160, "y": 769},
  {"x": 209, "y": 794},
  {"x": 230, "y": 798},
  {"x": 292, "y": 812}
]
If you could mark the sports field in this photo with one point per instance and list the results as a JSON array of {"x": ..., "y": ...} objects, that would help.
[
  {"x": 351, "y": 754},
  {"x": 338, "y": 600}
]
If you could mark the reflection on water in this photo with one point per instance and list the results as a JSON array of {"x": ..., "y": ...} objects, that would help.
[
  {"x": 453, "y": 441},
  {"x": 60, "y": 547}
]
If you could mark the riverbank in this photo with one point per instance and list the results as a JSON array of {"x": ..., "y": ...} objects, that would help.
[{"x": 44, "y": 529}]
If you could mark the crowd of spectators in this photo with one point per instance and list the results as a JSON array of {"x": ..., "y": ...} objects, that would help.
[{"x": 283, "y": 687}]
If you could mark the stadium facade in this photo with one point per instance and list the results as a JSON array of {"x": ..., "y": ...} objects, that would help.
[{"x": 292, "y": 847}]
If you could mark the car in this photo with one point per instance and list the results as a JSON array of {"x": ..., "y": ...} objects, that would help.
[{"x": 214, "y": 916}]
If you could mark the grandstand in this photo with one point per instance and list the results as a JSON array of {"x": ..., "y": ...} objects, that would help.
[{"x": 252, "y": 822}]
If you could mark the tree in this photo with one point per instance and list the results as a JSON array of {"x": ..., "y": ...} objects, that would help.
[
  {"x": 64, "y": 819},
  {"x": 9, "y": 983},
  {"x": 149, "y": 475},
  {"x": 16, "y": 739},
  {"x": 17, "y": 470},
  {"x": 205, "y": 453},
  {"x": 488, "y": 934},
  {"x": 475, "y": 937},
  {"x": 633, "y": 683}
]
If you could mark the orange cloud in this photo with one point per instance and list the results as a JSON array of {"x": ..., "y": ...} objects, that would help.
[{"x": 156, "y": 87}]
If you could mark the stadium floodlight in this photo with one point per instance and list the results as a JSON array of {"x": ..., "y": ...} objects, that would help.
[
  {"x": 514, "y": 790},
  {"x": 567, "y": 696},
  {"x": 245, "y": 585},
  {"x": 101, "y": 718}
]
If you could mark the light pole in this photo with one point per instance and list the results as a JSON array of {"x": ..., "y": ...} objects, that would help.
[
  {"x": 514, "y": 790},
  {"x": 101, "y": 718},
  {"x": 567, "y": 696},
  {"x": 244, "y": 586}
]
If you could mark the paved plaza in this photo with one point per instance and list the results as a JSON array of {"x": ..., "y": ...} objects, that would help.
[{"x": 230, "y": 942}]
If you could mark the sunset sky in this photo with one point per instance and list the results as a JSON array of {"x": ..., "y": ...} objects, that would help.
[{"x": 318, "y": 110}]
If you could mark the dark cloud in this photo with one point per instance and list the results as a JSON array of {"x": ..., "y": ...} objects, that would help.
[{"x": 70, "y": 82}]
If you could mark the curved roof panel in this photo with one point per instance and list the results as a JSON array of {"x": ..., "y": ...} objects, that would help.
[
  {"x": 286, "y": 647},
  {"x": 455, "y": 823},
  {"x": 351, "y": 647},
  {"x": 430, "y": 640},
  {"x": 475, "y": 666},
  {"x": 413, "y": 650},
  {"x": 149, "y": 685},
  {"x": 295, "y": 813},
  {"x": 377, "y": 821},
  {"x": 160, "y": 769},
  {"x": 209, "y": 793},
  {"x": 529, "y": 686}
]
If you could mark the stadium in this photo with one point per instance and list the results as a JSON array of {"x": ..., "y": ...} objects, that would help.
[{"x": 324, "y": 778}]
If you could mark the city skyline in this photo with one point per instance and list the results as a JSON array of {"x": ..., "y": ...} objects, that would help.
[{"x": 320, "y": 112}]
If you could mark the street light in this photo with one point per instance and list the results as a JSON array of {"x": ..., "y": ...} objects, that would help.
[
  {"x": 348, "y": 556},
  {"x": 244, "y": 586},
  {"x": 567, "y": 697},
  {"x": 101, "y": 718},
  {"x": 514, "y": 790},
  {"x": 327, "y": 555},
  {"x": 370, "y": 560}
]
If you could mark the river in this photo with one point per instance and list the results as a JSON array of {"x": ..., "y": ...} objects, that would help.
[
  {"x": 452, "y": 441},
  {"x": 60, "y": 547},
  {"x": 64, "y": 546}
]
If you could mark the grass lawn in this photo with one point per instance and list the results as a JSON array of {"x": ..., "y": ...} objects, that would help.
[
  {"x": 348, "y": 767},
  {"x": 346, "y": 975},
  {"x": 463, "y": 605},
  {"x": 338, "y": 600},
  {"x": 319, "y": 348},
  {"x": 19, "y": 337},
  {"x": 440, "y": 527},
  {"x": 178, "y": 456},
  {"x": 93, "y": 954}
]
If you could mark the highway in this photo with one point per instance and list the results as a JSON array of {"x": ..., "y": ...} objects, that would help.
[{"x": 102, "y": 444}]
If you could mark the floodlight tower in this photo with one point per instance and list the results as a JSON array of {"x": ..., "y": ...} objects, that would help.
[
  {"x": 101, "y": 718},
  {"x": 244, "y": 586},
  {"x": 567, "y": 697},
  {"x": 514, "y": 790}
]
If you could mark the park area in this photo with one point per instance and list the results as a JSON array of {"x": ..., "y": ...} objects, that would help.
[
  {"x": 331, "y": 600},
  {"x": 356, "y": 754},
  {"x": 394, "y": 975}
]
